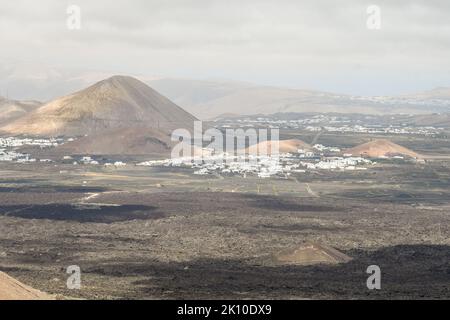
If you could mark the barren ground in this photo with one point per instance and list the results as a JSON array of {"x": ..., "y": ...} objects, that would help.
[{"x": 146, "y": 233}]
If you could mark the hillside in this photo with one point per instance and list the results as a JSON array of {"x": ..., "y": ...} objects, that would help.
[
  {"x": 122, "y": 141},
  {"x": 284, "y": 146},
  {"x": 117, "y": 102},
  {"x": 11, "y": 110},
  {"x": 11, "y": 289},
  {"x": 381, "y": 148}
]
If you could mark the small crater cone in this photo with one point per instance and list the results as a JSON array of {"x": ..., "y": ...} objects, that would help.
[
  {"x": 381, "y": 148},
  {"x": 281, "y": 146}
]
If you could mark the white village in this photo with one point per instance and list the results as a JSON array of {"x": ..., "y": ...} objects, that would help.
[
  {"x": 7, "y": 145},
  {"x": 266, "y": 166},
  {"x": 319, "y": 123}
]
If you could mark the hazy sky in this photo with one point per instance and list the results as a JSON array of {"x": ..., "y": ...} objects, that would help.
[{"x": 323, "y": 45}]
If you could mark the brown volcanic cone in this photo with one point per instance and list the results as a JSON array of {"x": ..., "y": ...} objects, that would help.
[
  {"x": 117, "y": 102},
  {"x": 285, "y": 146},
  {"x": 381, "y": 148}
]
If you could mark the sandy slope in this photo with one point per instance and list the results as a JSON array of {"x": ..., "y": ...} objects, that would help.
[
  {"x": 381, "y": 148},
  {"x": 284, "y": 146},
  {"x": 11, "y": 289},
  {"x": 121, "y": 141}
]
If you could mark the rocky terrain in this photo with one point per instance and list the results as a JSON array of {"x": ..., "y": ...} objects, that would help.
[{"x": 146, "y": 233}]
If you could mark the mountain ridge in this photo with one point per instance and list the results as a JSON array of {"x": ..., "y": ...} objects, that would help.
[{"x": 208, "y": 99}]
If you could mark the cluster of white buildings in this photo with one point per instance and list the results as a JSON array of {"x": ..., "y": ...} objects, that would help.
[
  {"x": 88, "y": 160},
  {"x": 11, "y": 142},
  {"x": 14, "y": 156},
  {"x": 282, "y": 165},
  {"x": 8, "y": 145},
  {"x": 115, "y": 164},
  {"x": 377, "y": 130},
  {"x": 322, "y": 148},
  {"x": 339, "y": 163},
  {"x": 396, "y": 101},
  {"x": 321, "y": 122},
  {"x": 6, "y": 155},
  {"x": 317, "y": 119},
  {"x": 262, "y": 166}
]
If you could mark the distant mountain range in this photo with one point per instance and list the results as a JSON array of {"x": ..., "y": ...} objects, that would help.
[{"x": 210, "y": 99}]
